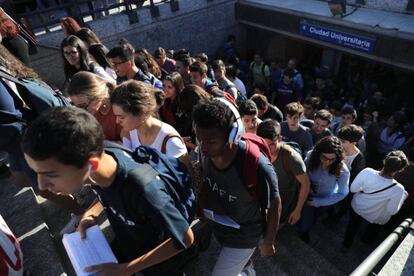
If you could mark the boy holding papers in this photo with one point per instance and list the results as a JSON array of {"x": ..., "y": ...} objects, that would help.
[
  {"x": 64, "y": 146},
  {"x": 224, "y": 198}
]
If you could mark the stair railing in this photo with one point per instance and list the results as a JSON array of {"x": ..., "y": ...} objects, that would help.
[{"x": 368, "y": 265}]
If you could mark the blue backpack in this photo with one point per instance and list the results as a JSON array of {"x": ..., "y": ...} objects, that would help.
[
  {"x": 33, "y": 97},
  {"x": 156, "y": 166}
]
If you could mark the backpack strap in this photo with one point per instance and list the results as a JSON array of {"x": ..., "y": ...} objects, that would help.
[
  {"x": 251, "y": 163},
  {"x": 286, "y": 154},
  {"x": 263, "y": 68},
  {"x": 251, "y": 179},
  {"x": 166, "y": 139},
  {"x": 386, "y": 188}
]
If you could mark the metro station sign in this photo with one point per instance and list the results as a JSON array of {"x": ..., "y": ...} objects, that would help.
[{"x": 338, "y": 37}]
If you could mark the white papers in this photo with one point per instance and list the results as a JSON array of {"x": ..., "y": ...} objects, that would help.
[
  {"x": 90, "y": 251},
  {"x": 223, "y": 220}
]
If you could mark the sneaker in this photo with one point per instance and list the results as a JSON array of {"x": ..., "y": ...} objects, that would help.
[
  {"x": 248, "y": 270},
  {"x": 71, "y": 225},
  {"x": 304, "y": 236},
  {"x": 4, "y": 171}
]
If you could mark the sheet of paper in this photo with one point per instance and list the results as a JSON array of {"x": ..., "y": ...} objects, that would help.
[
  {"x": 220, "y": 219},
  {"x": 90, "y": 251}
]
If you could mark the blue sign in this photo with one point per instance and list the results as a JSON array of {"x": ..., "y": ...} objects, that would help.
[{"x": 348, "y": 40}]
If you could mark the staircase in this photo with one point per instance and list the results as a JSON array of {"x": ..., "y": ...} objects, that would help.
[
  {"x": 24, "y": 215},
  {"x": 322, "y": 256},
  {"x": 37, "y": 222}
]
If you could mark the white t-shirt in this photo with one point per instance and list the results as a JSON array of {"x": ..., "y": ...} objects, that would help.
[
  {"x": 379, "y": 207},
  {"x": 174, "y": 147},
  {"x": 349, "y": 159},
  {"x": 99, "y": 71},
  {"x": 111, "y": 72},
  {"x": 240, "y": 86}
]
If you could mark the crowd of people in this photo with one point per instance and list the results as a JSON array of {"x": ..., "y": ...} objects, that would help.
[{"x": 320, "y": 154}]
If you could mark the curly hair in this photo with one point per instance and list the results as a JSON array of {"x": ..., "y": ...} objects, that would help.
[
  {"x": 213, "y": 114},
  {"x": 329, "y": 144},
  {"x": 135, "y": 97}
]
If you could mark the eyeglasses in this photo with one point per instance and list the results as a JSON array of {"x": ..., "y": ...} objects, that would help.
[
  {"x": 326, "y": 159},
  {"x": 115, "y": 64},
  {"x": 71, "y": 53}
]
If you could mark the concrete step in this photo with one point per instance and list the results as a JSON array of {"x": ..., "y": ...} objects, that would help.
[
  {"x": 48, "y": 64},
  {"x": 204, "y": 264},
  {"x": 22, "y": 213},
  {"x": 305, "y": 256},
  {"x": 326, "y": 238}
]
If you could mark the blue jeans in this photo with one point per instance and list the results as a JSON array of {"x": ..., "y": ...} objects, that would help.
[{"x": 310, "y": 215}]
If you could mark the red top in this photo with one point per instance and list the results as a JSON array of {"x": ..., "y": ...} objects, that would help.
[{"x": 112, "y": 130}]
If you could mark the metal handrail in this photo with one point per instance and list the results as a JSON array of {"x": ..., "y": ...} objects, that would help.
[{"x": 366, "y": 267}]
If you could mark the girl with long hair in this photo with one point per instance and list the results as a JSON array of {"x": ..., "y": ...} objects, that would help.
[
  {"x": 88, "y": 37},
  {"x": 135, "y": 106},
  {"x": 98, "y": 53},
  {"x": 329, "y": 178},
  {"x": 153, "y": 66},
  {"x": 173, "y": 84},
  {"x": 76, "y": 58}
]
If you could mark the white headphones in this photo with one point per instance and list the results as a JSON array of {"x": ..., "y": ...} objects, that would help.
[{"x": 237, "y": 127}]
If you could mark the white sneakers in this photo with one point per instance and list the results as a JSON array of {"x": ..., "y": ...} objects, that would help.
[{"x": 71, "y": 225}]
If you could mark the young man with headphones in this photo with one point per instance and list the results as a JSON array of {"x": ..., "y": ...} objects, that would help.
[{"x": 224, "y": 198}]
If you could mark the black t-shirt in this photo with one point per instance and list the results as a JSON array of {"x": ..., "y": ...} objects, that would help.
[
  {"x": 227, "y": 195},
  {"x": 158, "y": 217}
]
